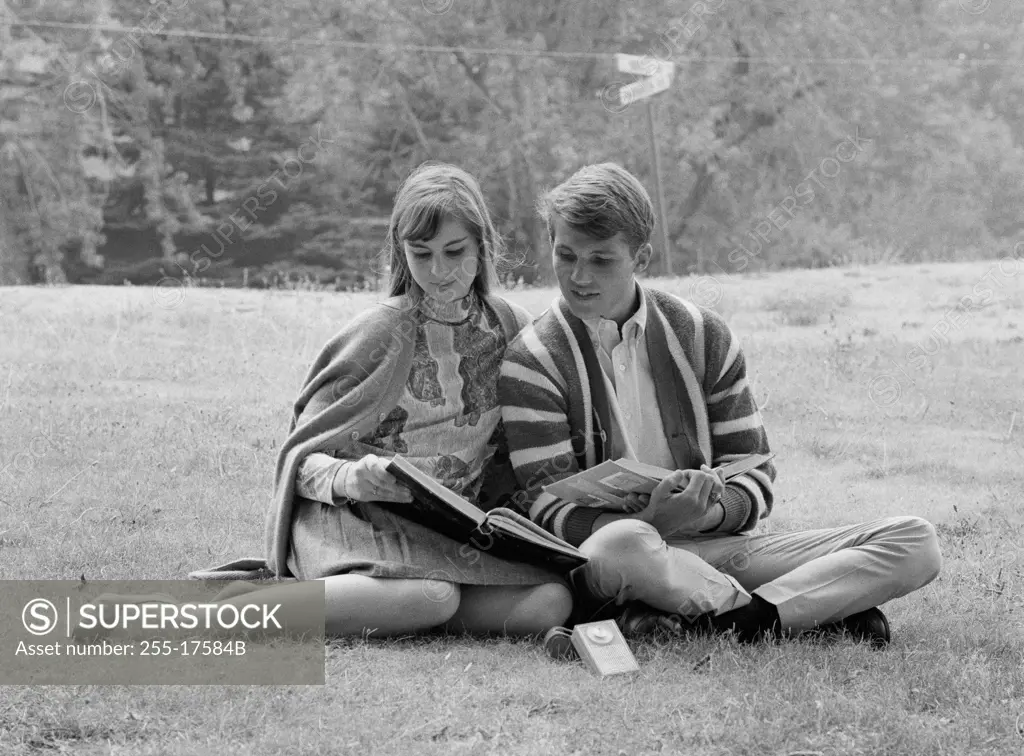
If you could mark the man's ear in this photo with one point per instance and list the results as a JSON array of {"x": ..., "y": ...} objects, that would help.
[{"x": 643, "y": 258}]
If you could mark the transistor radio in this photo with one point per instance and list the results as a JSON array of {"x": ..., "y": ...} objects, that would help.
[{"x": 603, "y": 649}]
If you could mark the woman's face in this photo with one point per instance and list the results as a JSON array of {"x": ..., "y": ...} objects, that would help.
[{"x": 445, "y": 266}]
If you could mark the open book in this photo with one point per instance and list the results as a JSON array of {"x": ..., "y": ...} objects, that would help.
[
  {"x": 500, "y": 531},
  {"x": 606, "y": 485}
]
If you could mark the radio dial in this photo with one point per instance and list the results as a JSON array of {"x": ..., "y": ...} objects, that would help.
[{"x": 599, "y": 635}]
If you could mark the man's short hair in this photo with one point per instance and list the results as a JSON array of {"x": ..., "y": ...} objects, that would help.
[{"x": 600, "y": 201}]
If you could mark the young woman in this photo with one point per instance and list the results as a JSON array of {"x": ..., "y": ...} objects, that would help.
[{"x": 414, "y": 375}]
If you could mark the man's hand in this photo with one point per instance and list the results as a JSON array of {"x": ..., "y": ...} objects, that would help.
[
  {"x": 369, "y": 480},
  {"x": 669, "y": 511}
]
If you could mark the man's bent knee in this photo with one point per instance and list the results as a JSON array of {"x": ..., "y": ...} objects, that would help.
[
  {"x": 920, "y": 545},
  {"x": 928, "y": 559},
  {"x": 629, "y": 560},
  {"x": 623, "y": 538}
]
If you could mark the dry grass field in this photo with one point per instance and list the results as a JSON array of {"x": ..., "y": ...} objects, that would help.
[{"x": 138, "y": 429}]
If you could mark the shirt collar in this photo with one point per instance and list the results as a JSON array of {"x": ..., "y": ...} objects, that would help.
[
  {"x": 454, "y": 311},
  {"x": 634, "y": 327}
]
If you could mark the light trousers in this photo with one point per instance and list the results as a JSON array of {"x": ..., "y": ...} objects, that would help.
[{"x": 813, "y": 577}]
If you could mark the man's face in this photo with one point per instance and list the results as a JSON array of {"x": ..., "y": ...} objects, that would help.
[{"x": 597, "y": 277}]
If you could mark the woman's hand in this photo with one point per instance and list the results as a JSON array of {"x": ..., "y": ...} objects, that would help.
[{"x": 368, "y": 479}]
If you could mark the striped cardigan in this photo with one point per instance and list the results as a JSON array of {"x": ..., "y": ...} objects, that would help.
[{"x": 556, "y": 413}]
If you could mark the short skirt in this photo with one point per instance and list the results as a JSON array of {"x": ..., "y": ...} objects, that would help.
[{"x": 363, "y": 538}]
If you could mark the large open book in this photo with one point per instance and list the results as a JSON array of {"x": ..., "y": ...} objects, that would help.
[
  {"x": 500, "y": 531},
  {"x": 606, "y": 485}
]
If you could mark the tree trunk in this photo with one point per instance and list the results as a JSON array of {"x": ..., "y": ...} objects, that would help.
[
  {"x": 211, "y": 183},
  {"x": 541, "y": 251},
  {"x": 14, "y": 258},
  {"x": 529, "y": 185}
]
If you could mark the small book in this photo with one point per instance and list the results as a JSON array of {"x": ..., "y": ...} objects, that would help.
[
  {"x": 606, "y": 485},
  {"x": 500, "y": 531}
]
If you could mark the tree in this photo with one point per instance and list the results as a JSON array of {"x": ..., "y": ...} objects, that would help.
[
  {"x": 147, "y": 145},
  {"x": 46, "y": 202}
]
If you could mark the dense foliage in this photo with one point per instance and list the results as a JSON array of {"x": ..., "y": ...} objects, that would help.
[{"x": 269, "y": 147}]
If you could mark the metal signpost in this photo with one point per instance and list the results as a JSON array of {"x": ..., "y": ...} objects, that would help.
[{"x": 657, "y": 78}]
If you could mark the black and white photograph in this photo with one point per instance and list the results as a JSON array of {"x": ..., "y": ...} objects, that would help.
[{"x": 411, "y": 377}]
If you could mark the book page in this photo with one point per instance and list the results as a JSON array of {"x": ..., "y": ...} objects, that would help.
[
  {"x": 513, "y": 522},
  {"x": 502, "y": 525},
  {"x": 737, "y": 467},
  {"x": 605, "y": 485},
  {"x": 513, "y": 537}
]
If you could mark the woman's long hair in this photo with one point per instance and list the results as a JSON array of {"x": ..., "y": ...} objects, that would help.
[{"x": 431, "y": 193}]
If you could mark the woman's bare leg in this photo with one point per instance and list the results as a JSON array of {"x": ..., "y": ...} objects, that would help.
[
  {"x": 237, "y": 588},
  {"x": 353, "y": 605},
  {"x": 357, "y": 604},
  {"x": 511, "y": 609}
]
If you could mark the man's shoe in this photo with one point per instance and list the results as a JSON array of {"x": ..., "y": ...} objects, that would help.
[
  {"x": 586, "y": 608},
  {"x": 639, "y": 619},
  {"x": 754, "y": 622},
  {"x": 702, "y": 625},
  {"x": 558, "y": 644},
  {"x": 870, "y": 626}
]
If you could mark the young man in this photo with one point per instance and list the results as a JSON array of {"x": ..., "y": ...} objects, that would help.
[{"x": 615, "y": 369}]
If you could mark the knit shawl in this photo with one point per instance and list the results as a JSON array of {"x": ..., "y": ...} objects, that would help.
[{"x": 354, "y": 382}]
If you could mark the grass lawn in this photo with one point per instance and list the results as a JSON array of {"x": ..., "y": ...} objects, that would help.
[{"x": 137, "y": 440}]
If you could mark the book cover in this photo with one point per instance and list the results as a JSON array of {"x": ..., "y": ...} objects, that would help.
[{"x": 503, "y": 532}]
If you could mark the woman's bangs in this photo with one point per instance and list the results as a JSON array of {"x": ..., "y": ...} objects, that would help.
[{"x": 422, "y": 221}]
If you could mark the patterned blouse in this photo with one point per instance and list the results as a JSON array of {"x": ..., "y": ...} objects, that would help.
[{"x": 446, "y": 421}]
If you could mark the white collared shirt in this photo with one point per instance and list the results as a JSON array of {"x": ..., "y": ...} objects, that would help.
[{"x": 638, "y": 432}]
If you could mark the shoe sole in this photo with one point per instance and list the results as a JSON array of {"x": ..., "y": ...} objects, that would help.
[{"x": 558, "y": 645}]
